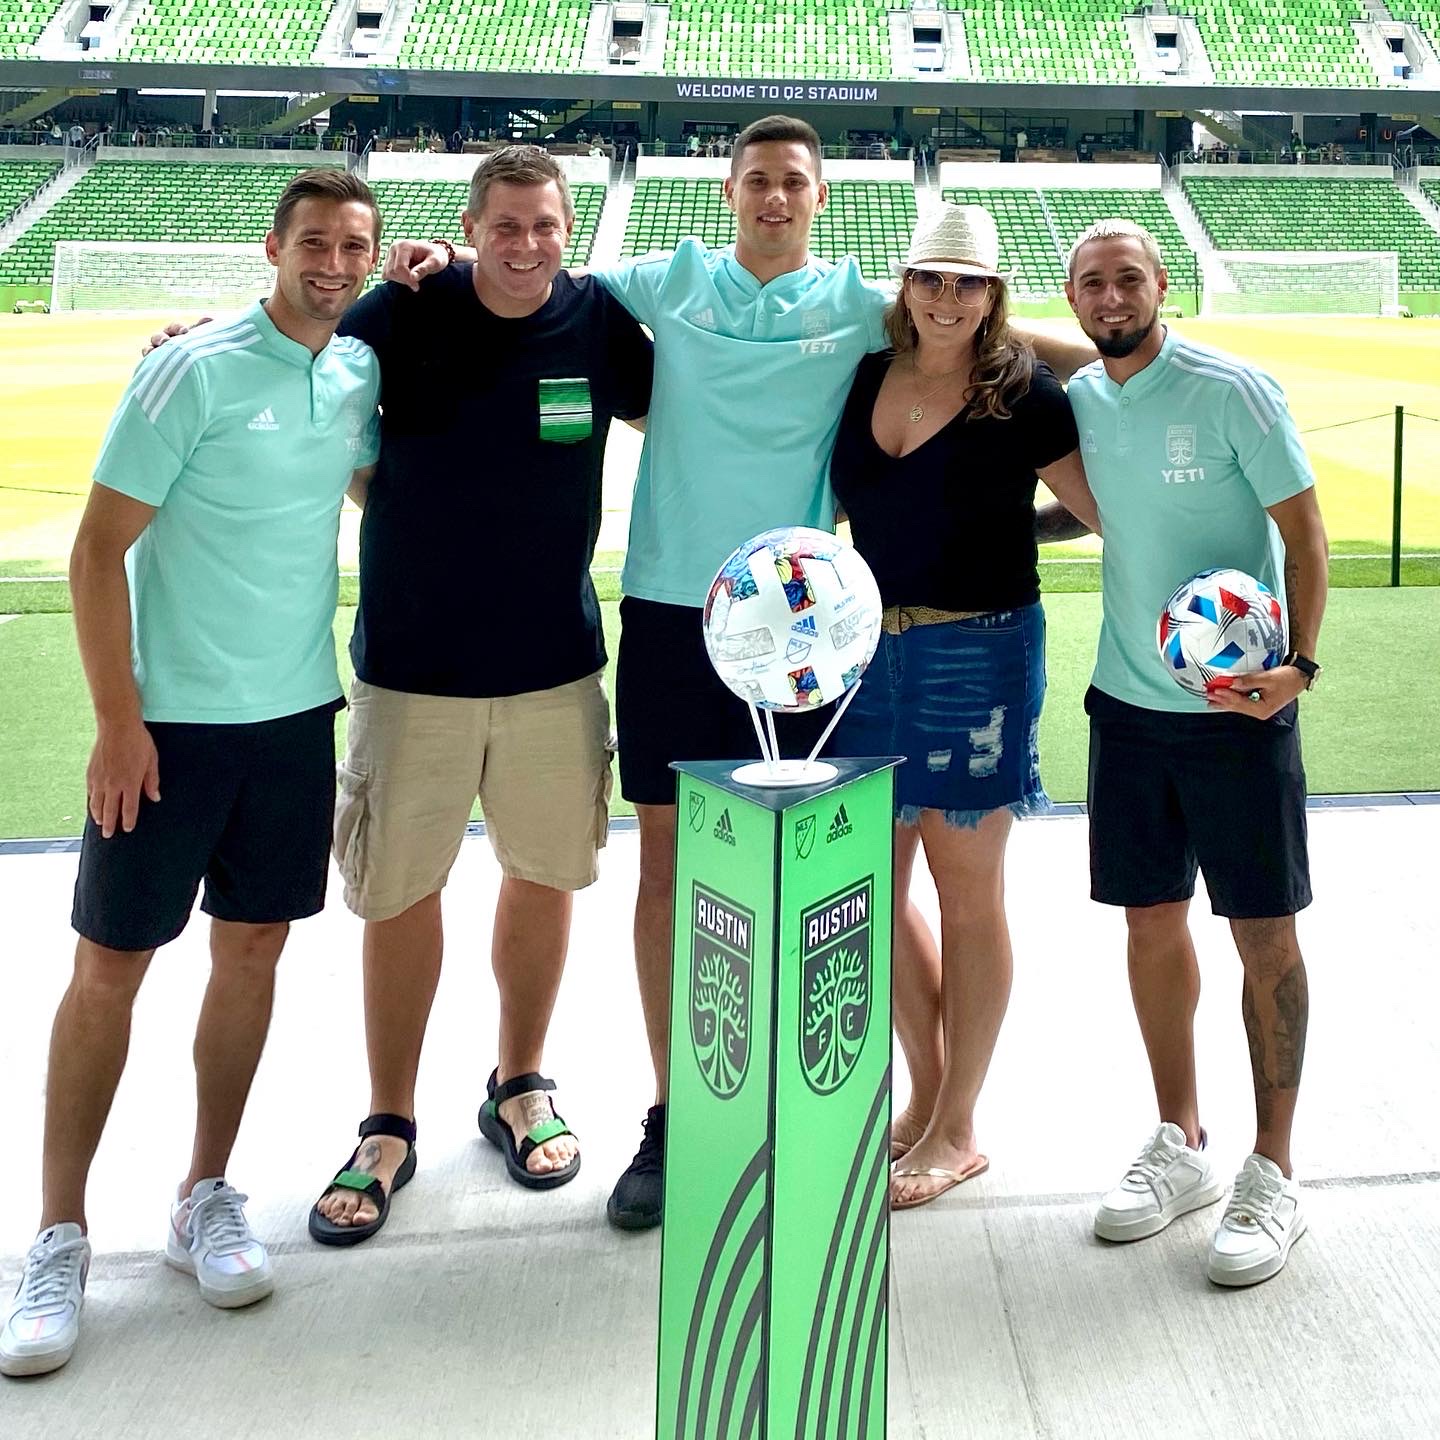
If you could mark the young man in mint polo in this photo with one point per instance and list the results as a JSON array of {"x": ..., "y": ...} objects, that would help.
[
  {"x": 204, "y": 585},
  {"x": 1195, "y": 462},
  {"x": 756, "y": 344}
]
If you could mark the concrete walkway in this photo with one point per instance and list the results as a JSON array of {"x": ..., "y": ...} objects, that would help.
[{"x": 487, "y": 1311}]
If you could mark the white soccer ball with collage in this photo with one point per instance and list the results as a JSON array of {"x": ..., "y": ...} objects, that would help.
[
  {"x": 792, "y": 619},
  {"x": 1219, "y": 624}
]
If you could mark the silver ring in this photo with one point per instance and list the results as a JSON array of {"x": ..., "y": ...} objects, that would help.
[{"x": 1255, "y": 697}]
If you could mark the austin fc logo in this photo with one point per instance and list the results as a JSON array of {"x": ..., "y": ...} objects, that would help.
[{"x": 1180, "y": 444}]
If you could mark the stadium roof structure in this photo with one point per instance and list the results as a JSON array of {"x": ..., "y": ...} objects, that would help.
[{"x": 1314, "y": 56}]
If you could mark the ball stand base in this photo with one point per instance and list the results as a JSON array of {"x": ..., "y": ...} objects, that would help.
[{"x": 784, "y": 773}]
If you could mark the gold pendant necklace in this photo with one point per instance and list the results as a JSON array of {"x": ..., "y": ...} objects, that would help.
[{"x": 917, "y": 410}]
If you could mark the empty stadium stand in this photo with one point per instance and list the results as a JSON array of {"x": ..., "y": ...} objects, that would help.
[
  {"x": 869, "y": 219},
  {"x": 1073, "y": 210},
  {"x": 1297, "y": 42},
  {"x": 1431, "y": 189},
  {"x": 1318, "y": 213},
  {"x": 197, "y": 30},
  {"x": 1028, "y": 249},
  {"x": 794, "y": 38},
  {"x": 21, "y": 22},
  {"x": 20, "y": 179},
  {"x": 1083, "y": 41},
  {"x": 170, "y": 203},
  {"x": 423, "y": 208},
  {"x": 663, "y": 212},
  {"x": 496, "y": 35}
]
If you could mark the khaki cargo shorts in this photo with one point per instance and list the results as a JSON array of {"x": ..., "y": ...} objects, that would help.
[{"x": 539, "y": 762}]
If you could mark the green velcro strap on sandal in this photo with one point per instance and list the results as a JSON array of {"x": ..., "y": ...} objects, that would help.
[
  {"x": 548, "y": 1131},
  {"x": 354, "y": 1180}
]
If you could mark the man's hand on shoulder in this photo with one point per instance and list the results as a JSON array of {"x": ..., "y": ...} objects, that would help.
[
  {"x": 174, "y": 328},
  {"x": 411, "y": 261}
]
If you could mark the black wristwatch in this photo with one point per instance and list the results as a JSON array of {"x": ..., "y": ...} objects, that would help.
[{"x": 1306, "y": 666}]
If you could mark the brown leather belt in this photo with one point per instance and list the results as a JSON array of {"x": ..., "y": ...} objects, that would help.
[{"x": 897, "y": 619}]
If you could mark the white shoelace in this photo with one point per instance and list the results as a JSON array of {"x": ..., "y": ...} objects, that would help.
[
  {"x": 50, "y": 1273},
  {"x": 220, "y": 1221},
  {"x": 1252, "y": 1199},
  {"x": 1150, "y": 1164}
]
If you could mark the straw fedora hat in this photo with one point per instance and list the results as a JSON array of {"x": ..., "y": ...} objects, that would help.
[{"x": 956, "y": 240}]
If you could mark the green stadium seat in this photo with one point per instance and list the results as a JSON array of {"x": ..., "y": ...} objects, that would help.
[{"x": 1318, "y": 213}]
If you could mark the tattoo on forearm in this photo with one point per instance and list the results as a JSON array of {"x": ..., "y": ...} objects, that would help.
[
  {"x": 367, "y": 1158},
  {"x": 1054, "y": 522},
  {"x": 1292, "y": 594}
]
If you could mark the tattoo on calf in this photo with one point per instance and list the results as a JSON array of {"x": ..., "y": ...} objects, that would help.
[
  {"x": 1292, "y": 1006},
  {"x": 1264, "y": 1089}
]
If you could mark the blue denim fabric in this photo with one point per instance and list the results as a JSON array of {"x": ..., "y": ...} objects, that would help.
[{"x": 962, "y": 703}]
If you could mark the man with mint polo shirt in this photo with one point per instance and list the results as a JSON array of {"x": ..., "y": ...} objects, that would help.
[
  {"x": 204, "y": 585},
  {"x": 1195, "y": 463}
]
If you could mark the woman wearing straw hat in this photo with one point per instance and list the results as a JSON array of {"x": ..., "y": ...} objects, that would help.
[{"x": 936, "y": 461}]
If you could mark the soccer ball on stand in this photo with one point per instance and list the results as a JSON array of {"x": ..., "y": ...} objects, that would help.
[
  {"x": 1219, "y": 624},
  {"x": 791, "y": 621}
]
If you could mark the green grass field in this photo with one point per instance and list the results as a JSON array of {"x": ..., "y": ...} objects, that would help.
[
  {"x": 1344, "y": 378},
  {"x": 1366, "y": 729}
]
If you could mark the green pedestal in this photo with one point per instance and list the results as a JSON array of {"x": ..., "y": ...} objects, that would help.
[{"x": 775, "y": 1253}]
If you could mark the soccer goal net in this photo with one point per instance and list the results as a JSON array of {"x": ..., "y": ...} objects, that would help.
[
  {"x": 131, "y": 275},
  {"x": 1300, "y": 282}
]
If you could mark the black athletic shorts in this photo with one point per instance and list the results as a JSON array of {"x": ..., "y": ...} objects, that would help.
[
  {"x": 671, "y": 705},
  {"x": 1170, "y": 793},
  {"x": 248, "y": 809}
]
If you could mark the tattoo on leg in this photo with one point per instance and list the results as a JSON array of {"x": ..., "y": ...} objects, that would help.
[
  {"x": 1292, "y": 1005},
  {"x": 1264, "y": 1090},
  {"x": 367, "y": 1161}
]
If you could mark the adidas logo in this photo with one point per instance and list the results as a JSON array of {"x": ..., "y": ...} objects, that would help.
[
  {"x": 705, "y": 318},
  {"x": 265, "y": 420},
  {"x": 722, "y": 829},
  {"x": 807, "y": 626},
  {"x": 840, "y": 826}
]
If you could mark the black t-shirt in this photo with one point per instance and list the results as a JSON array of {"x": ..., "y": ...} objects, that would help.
[
  {"x": 952, "y": 524},
  {"x": 482, "y": 516}
]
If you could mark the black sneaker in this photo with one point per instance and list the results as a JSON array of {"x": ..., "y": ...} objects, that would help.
[{"x": 636, "y": 1201}]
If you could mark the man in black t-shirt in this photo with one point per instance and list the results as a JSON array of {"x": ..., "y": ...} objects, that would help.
[{"x": 479, "y": 654}]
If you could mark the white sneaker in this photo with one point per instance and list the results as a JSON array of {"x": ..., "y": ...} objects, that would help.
[
  {"x": 211, "y": 1240},
  {"x": 1262, "y": 1221},
  {"x": 1168, "y": 1179},
  {"x": 43, "y": 1322}
]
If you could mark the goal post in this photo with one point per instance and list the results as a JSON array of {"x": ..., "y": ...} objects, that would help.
[
  {"x": 1300, "y": 282},
  {"x": 135, "y": 275}
]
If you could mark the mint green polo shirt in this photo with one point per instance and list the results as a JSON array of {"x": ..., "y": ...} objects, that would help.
[
  {"x": 245, "y": 443},
  {"x": 750, "y": 382},
  {"x": 1183, "y": 460}
]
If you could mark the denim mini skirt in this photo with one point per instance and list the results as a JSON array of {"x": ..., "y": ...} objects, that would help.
[{"x": 961, "y": 702}]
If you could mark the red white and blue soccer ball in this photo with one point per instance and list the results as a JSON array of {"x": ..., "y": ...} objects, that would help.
[
  {"x": 792, "y": 619},
  {"x": 1219, "y": 624}
]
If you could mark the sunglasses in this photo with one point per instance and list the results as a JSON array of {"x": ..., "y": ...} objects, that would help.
[{"x": 930, "y": 285}]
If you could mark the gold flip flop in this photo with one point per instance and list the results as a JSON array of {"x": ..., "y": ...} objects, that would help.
[{"x": 955, "y": 1177}]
